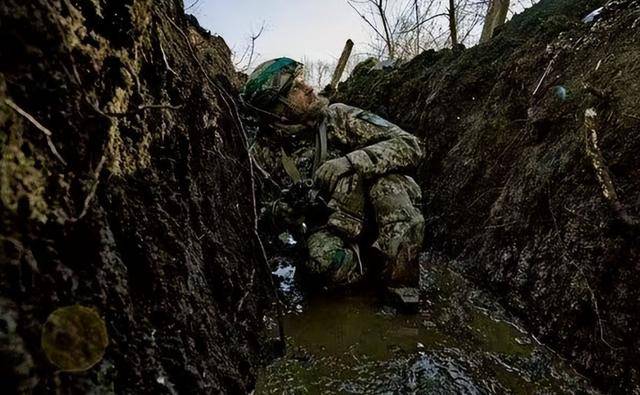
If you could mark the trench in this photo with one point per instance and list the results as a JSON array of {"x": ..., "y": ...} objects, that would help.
[{"x": 460, "y": 341}]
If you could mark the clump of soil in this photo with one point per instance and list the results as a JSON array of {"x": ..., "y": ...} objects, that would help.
[
  {"x": 511, "y": 193},
  {"x": 125, "y": 187}
]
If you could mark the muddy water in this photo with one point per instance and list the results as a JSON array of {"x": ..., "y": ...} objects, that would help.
[{"x": 458, "y": 343}]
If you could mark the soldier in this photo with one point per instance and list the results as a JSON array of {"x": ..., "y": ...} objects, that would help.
[{"x": 358, "y": 160}]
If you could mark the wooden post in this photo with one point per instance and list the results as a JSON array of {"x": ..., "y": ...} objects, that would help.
[{"x": 342, "y": 64}]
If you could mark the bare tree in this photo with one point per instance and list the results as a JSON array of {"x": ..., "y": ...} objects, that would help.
[
  {"x": 374, "y": 13},
  {"x": 416, "y": 5},
  {"x": 323, "y": 73},
  {"x": 414, "y": 29},
  {"x": 401, "y": 29},
  {"x": 496, "y": 16},
  {"x": 245, "y": 61},
  {"x": 317, "y": 72},
  {"x": 193, "y": 4}
]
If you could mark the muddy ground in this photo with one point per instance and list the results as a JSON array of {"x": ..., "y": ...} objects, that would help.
[
  {"x": 139, "y": 203},
  {"x": 511, "y": 194},
  {"x": 460, "y": 341}
]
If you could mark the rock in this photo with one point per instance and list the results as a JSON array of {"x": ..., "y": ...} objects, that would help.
[{"x": 404, "y": 297}]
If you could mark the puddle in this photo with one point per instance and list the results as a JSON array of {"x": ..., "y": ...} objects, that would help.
[{"x": 354, "y": 344}]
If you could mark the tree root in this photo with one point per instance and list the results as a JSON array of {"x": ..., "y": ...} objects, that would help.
[
  {"x": 601, "y": 169},
  {"x": 39, "y": 126},
  {"x": 92, "y": 191}
]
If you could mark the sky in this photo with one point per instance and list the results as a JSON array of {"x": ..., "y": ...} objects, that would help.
[{"x": 315, "y": 29}]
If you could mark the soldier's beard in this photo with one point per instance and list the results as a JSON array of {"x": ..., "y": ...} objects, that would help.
[{"x": 309, "y": 115}]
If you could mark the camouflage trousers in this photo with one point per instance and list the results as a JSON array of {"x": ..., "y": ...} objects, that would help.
[{"x": 334, "y": 252}]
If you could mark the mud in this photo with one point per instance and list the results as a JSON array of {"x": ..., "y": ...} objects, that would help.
[
  {"x": 511, "y": 196},
  {"x": 460, "y": 342},
  {"x": 138, "y": 205}
]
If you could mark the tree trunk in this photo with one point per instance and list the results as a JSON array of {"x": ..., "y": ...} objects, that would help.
[
  {"x": 496, "y": 16},
  {"x": 385, "y": 24},
  {"x": 418, "y": 29},
  {"x": 453, "y": 24}
]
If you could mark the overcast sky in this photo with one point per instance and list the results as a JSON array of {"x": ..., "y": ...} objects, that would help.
[{"x": 316, "y": 29}]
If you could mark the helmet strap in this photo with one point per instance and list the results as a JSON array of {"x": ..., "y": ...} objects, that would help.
[{"x": 269, "y": 114}]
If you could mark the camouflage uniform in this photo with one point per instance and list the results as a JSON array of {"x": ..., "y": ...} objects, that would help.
[{"x": 380, "y": 153}]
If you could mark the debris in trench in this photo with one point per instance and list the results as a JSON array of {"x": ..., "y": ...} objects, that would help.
[
  {"x": 560, "y": 92},
  {"x": 287, "y": 239},
  {"x": 405, "y": 297},
  {"x": 593, "y": 16},
  {"x": 385, "y": 64}
]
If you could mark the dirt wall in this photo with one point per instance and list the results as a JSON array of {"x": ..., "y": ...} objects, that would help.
[
  {"x": 125, "y": 187},
  {"x": 511, "y": 192}
]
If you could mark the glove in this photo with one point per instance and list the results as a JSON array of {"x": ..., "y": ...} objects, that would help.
[{"x": 332, "y": 171}]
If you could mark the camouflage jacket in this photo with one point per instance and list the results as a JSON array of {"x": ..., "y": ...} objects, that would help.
[{"x": 373, "y": 145}]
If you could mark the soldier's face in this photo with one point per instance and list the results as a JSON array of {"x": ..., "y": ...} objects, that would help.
[{"x": 302, "y": 99}]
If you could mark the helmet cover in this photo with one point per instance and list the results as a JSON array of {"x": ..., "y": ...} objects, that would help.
[{"x": 271, "y": 80}]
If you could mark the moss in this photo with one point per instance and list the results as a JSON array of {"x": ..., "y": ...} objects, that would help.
[
  {"x": 125, "y": 156},
  {"x": 122, "y": 159},
  {"x": 20, "y": 178}
]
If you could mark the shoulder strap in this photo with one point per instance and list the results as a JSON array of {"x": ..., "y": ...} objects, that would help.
[
  {"x": 321, "y": 146},
  {"x": 290, "y": 167}
]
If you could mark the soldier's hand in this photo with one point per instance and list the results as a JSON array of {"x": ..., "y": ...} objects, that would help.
[{"x": 332, "y": 171}]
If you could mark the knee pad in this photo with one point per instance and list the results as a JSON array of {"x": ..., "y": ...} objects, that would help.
[{"x": 331, "y": 259}]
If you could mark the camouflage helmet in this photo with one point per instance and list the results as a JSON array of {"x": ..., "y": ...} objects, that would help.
[{"x": 271, "y": 81}]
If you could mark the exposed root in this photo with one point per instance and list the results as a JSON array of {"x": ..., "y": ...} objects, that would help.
[
  {"x": 249, "y": 289},
  {"x": 602, "y": 170},
  {"x": 265, "y": 174},
  {"x": 544, "y": 75},
  {"x": 166, "y": 62},
  {"x": 144, "y": 107},
  {"x": 93, "y": 190},
  {"x": 39, "y": 126},
  {"x": 632, "y": 116}
]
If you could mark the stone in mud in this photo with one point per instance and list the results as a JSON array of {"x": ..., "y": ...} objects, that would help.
[{"x": 404, "y": 297}]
